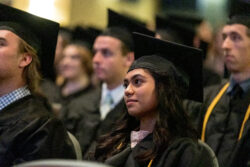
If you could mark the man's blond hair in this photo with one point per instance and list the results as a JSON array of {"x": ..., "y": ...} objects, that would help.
[{"x": 31, "y": 73}]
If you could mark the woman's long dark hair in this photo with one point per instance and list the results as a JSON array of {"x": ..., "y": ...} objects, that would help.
[{"x": 172, "y": 122}]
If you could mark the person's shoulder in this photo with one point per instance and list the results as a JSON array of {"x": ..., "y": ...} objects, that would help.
[
  {"x": 211, "y": 91},
  {"x": 35, "y": 107},
  {"x": 92, "y": 93},
  {"x": 180, "y": 147},
  {"x": 28, "y": 105},
  {"x": 29, "y": 112},
  {"x": 216, "y": 87},
  {"x": 40, "y": 104},
  {"x": 189, "y": 152},
  {"x": 83, "y": 102},
  {"x": 210, "y": 77},
  {"x": 50, "y": 90},
  {"x": 183, "y": 142}
]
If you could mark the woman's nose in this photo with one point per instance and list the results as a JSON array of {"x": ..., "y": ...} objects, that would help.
[{"x": 129, "y": 90}]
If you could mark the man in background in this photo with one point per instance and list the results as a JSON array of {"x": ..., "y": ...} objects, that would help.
[
  {"x": 113, "y": 55},
  {"x": 225, "y": 123}
]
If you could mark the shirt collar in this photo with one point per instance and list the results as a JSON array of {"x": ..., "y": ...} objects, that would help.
[
  {"x": 13, "y": 96},
  {"x": 137, "y": 136},
  {"x": 245, "y": 85},
  {"x": 116, "y": 93}
]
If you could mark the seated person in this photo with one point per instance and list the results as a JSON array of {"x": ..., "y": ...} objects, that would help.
[
  {"x": 28, "y": 128},
  {"x": 155, "y": 130},
  {"x": 78, "y": 108}
]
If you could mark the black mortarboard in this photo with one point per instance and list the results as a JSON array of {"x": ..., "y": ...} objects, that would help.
[
  {"x": 185, "y": 18},
  {"x": 93, "y": 30},
  {"x": 38, "y": 32},
  {"x": 85, "y": 35},
  {"x": 187, "y": 24},
  {"x": 182, "y": 32},
  {"x": 117, "y": 20},
  {"x": 186, "y": 59},
  {"x": 239, "y": 12}
]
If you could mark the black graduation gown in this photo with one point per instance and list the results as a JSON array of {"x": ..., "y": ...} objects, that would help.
[
  {"x": 183, "y": 152},
  {"x": 223, "y": 128},
  {"x": 28, "y": 131},
  {"x": 81, "y": 116},
  {"x": 51, "y": 91},
  {"x": 210, "y": 77}
]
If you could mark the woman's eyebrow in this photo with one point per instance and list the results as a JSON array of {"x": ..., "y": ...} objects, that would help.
[
  {"x": 133, "y": 77},
  {"x": 136, "y": 75}
]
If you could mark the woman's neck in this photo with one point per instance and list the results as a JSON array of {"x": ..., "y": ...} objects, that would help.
[
  {"x": 73, "y": 86},
  {"x": 147, "y": 123}
]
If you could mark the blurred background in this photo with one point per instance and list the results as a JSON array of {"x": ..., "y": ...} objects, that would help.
[{"x": 70, "y": 13}]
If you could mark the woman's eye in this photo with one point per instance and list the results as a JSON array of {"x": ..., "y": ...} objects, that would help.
[{"x": 137, "y": 82}]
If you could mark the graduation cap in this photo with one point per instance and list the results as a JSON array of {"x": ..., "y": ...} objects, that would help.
[
  {"x": 239, "y": 12},
  {"x": 186, "y": 18},
  {"x": 38, "y": 32},
  {"x": 94, "y": 31},
  {"x": 164, "y": 54},
  {"x": 182, "y": 33},
  {"x": 85, "y": 35},
  {"x": 117, "y": 20}
]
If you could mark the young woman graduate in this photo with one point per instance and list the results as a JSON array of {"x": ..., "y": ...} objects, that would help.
[{"x": 155, "y": 130}]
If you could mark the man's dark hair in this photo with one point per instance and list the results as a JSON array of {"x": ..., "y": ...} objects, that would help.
[{"x": 123, "y": 35}]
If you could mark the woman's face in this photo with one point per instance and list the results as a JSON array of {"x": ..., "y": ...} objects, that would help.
[
  {"x": 140, "y": 95},
  {"x": 71, "y": 63}
]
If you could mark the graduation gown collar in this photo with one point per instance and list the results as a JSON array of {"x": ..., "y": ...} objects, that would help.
[{"x": 128, "y": 154}]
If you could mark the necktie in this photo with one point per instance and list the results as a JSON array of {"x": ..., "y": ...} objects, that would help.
[
  {"x": 236, "y": 92},
  {"x": 106, "y": 105},
  {"x": 235, "y": 99}
]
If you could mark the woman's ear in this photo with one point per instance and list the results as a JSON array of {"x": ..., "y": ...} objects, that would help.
[{"x": 25, "y": 60}]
